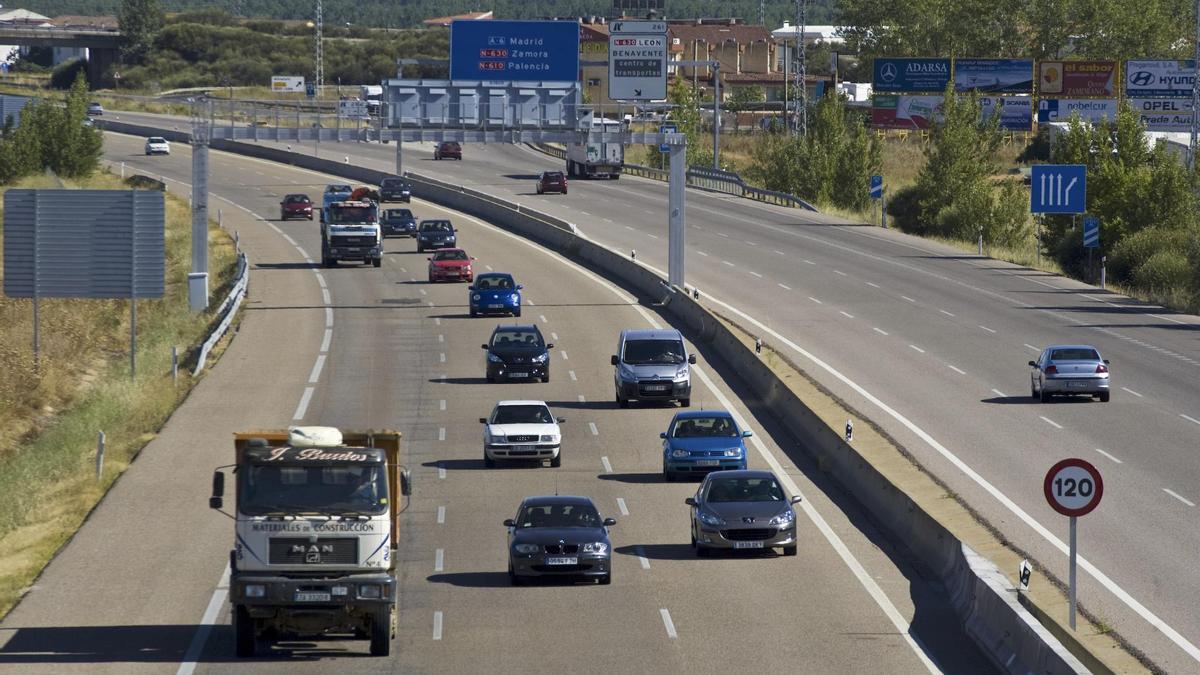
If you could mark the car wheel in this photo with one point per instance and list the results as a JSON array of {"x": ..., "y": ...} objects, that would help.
[
  {"x": 564, "y": 191},
  {"x": 789, "y": 550},
  {"x": 546, "y": 377},
  {"x": 377, "y": 262},
  {"x": 622, "y": 403},
  {"x": 1044, "y": 395},
  {"x": 606, "y": 579},
  {"x": 701, "y": 551},
  {"x": 685, "y": 402},
  {"x": 556, "y": 461},
  {"x": 1033, "y": 393},
  {"x": 513, "y": 578},
  {"x": 491, "y": 379},
  {"x": 668, "y": 476},
  {"x": 1104, "y": 395},
  {"x": 331, "y": 262},
  {"x": 517, "y": 313},
  {"x": 474, "y": 313},
  {"x": 488, "y": 461},
  {"x": 431, "y": 278}
]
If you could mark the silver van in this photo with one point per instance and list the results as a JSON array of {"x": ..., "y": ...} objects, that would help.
[{"x": 652, "y": 365}]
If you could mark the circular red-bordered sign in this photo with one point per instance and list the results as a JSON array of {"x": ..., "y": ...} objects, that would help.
[{"x": 1073, "y": 487}]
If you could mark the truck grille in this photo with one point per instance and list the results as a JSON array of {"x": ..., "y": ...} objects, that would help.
[
  {"x": 754, "y": 534},
  {"x": 342, "y": 240},
  {"x": 301, "y": 551}
]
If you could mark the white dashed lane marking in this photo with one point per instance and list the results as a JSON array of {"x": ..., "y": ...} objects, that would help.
[
  {"x": 668, "y": 624},
  {"x": 1131, "y": 392},
  {"x": 441, "y": 515},
  {"x": 726, "y": 262},
  {"x": 1109, "y": 456},
  {"x": 593, "y": 429},
  {"x": 641, "y": 554},
  {"x": 846, "y": 314},
  {"x": 756, "y": 274},
  {"x": 621, "y": 505},
  {"x": 879, "y": 330},
  {"x": 439, "y": 559},
  {"x": 437, "y": 625},
  {"x": 702, "y": 253},
  {"x": 316, "y": 370},
  {"x": 785, "y": 287},
  {"x": 990, "y": 330},
  {"x": 1051, "y": 422},
  {"x": 1178, "y": 496},
  {"x": 572, "y": 374},
  {"x": 945, "y": 312},
  {"x": 607, "y": 466},
  {"x": 840, "y": 273},
  {"x": 956, "y": 369},
  {"x": 907, "y": 298},
  {"x": 303, "y": 407},
  {"x": 872, "y": 284},
  {"x": 917, "y": 348},
  {"x": 815, "y": 300},
  {"x": 1193, "y": 420}
]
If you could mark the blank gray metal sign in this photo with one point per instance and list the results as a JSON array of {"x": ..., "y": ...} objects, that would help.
[
  {"x": 11, "y": 106},
  {"x": 84, "y": 243}
]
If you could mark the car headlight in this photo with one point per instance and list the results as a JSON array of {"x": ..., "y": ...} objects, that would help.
[
  {"x": 549, "y": 438},
  {"x": 784, "y": 519},
  {"x": 516, "y": 298},
  {"x": 255, "y": 591},
  {"x": 681, "y": 374},
  {"x": 733, "y": 452},
  {"x": 526, "y": 549},
  {"x": 626, "y": 373},
  {"x": 598, "y": 548},
  {"x": 680, "y": 453},
  {"x": 497, "y": 438},
  {"x": 709, "y": 518},
  {"x": 495, "y": 359},
  {"x": 540, "y": 358},
  {"x": 475, "y": 297},
  {"x": 369, "y": 590}
]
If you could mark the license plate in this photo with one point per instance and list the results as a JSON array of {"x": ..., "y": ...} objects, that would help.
[
  {"x": 523, "y": 448},
  {"x": 311, "y": 597},
  {"x": 1076, "y": 385},
  {"x": 354, "y": 250},
  {"x": 656, "y": 387},
  {"x": 518, "y": 374},
  {"x": 747, "y": 544},
  {"x": 562, "y": 561},
  {"x": 495, "y": 306},
  {"x": 708, "y": 462}
]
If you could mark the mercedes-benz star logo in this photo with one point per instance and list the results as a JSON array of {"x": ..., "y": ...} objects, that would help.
[{"x": 888, "y": 72}]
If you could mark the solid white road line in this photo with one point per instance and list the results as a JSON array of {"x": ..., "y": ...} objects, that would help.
[
  {"x": 439, "y": 560},
  {"x": 917, "y": 348},
  {"x": 607, "y": 466},
  {"x": 668, "y": 623},
  {"x": 327, "y": 339},
  {"x": 846, "y": 314},
  {"x": 593, "y": 429},
  {"x": 1193, "y": 420},
  {"x": 215, "y": 604},
  {"x": 1109, "y": 456},
  {"x": 956, "y": 369},
  {"x": 325, "y": 296},
  {"x": 621, "y": 505},
  {"x": 879, "y": 330},
  {"x": 1176, "y": 495},
  {"x": 437, "y": 625},
  {"x": 288, "y": 239},
  {"x": 441, "y": 515},
  {"x": 641, "y": 554},
  {"x": 441, "y": 433},
  {"x": 1131, "y": 392},
  {"x": 785, "y": 287},
  {"x": 1051, "y": 422},
  {"x": 320, "y": 279},
  {"x": 990, "y": 330},
  {"x": 572, "y": 374},
  {"x": 316, "y": 370},
  {"x": 303, "y": 407}
]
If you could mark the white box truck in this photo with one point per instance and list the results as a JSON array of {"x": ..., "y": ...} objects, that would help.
[{"x": 595, "y": 159}]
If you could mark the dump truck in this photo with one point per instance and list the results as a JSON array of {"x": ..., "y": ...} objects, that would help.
[
  {"x": 351, "y": 231},
  {"x": 315, "y": 534}
]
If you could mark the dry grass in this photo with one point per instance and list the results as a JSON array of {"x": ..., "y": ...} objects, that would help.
[{"x": 50, "y": 416}]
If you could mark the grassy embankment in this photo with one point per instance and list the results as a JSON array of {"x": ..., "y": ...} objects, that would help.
[{"x": 50, "y": 415}]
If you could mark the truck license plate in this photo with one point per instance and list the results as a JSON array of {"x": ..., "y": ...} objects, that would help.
[
  {"x": 302, "y": 596},
  {"x": 354, "y": 250},
  {"x": 747, "y": 544},
  {"x": 562, "y": 561}
]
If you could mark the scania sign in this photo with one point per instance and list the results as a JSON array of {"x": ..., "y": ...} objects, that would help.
[
  {"x": 1159, "y": 79},
  {"x": 911, "y": 75}
]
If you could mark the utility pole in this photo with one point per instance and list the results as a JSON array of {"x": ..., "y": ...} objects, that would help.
[
  {"x": 319, "y": 46},
  {"x": 762, "y": 12},
  {"x": 801, "y": 67},
  {"x": 1195, "y": 97}
]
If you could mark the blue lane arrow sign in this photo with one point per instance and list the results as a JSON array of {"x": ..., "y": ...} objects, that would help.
[
  {"x": 1091, "y": 232},
  {"x": 1058, "y": 188},
  {"x": 876, "y": 187}
]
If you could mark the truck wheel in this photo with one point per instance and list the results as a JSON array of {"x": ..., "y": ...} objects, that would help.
[
  {"x": 685, "y": 403},
  {"x": 616, "y": 176},
  {"x": 330, "y": 262},
  {"x": 243, "y": 630},
  {"x": 381, "y": 632}
]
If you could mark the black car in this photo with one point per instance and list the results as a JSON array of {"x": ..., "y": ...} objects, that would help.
[
  {"x": 559, "y": 536},
  {"x": 399, "y": 221},
  {"x": 395, "y": 189},
  {"x": 434, "y": 234},
  {"x": 518, "y": 352}
]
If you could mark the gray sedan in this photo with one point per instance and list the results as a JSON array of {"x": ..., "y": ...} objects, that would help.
[
  {"x": 1069, "y": 369},
  {"x": 742, "y": 510}
]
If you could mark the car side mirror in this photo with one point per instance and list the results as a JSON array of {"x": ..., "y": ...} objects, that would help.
[
  {"x": 470, "y": 288},
  {"x": 520, "y": 286},
  {"x": 484, "y": 346},
  {"x": 1106, "y": 362},
  {"x": 690, "y": 501},
  {"x": 405, "y": 482},
  {"x": 1033, "y": 364},
  {"x": 562, "y": 420},
  {"x": 796, "y": 499},
  {"x": 429, "y": 258},
  {"x": 747, "y": 434},
  {"x": 692, "y": 359},
  {"x": 483, "y": 420},
  {"x": 609, "y": 522},
  {"x": 509, "y": 522},
  {"x": 472, "y": 257},
  {"x": 549, "y": 345},
  {"x": 662, "y": 434},
  {"x": 613, "y": 359},
  {"x": 218, "y": 491}
]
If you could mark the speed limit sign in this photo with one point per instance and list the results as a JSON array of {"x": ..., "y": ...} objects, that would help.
[{"x": 1073, "y": 487}]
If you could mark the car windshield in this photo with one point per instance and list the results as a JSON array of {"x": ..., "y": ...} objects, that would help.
[
  {"x": 351, "y": 214},
  {"x": 436, "y": 226},
  {"x": 493, "y": 283},
  {"x": 275, "y": 488},
  {"x": 552, "y": 175},
  {"x": 656, "y": 352},
  {"x": 392, "y": 183},
  {"x": 398, "y": 214},
  {"x": 450, "y": 255},
  {"x": 744, "y": 490},
  {"x": 522, "y": 414},
  {"x": 559, "y": 515},
  {"x": 1074, "y": 354},
  {"x": 517, "y": 338},
  {"x": 297, "y": 199},
  {"x": 156, "y": 139},
  {"x": 699, "y": 427},
  {"x": 449, "y": 145},
  {"x": 337, "y": 188}
]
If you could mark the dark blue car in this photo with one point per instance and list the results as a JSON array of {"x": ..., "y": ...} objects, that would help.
[
  {"x": 700, "y": 441},
  {"x": 495, "y": 293}
]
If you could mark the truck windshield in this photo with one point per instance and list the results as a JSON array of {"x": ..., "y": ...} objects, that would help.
[
  {"x": 331, "y": 490},
  {"x": 352, "y": 214}
]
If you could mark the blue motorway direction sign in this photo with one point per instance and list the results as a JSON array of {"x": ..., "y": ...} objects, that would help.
[
  {"x": 911, "y": 75},
  {"x": 1058, "y": 188},
  {"x": 876, "y": 187},
  {"x": 529, "y": 51},
  {"x": 1091, "y": 232}
]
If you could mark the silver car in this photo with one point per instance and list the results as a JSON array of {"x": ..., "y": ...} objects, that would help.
[
  {"x": 1064, "y": 370},
  {"x": 742, "y": 510}
]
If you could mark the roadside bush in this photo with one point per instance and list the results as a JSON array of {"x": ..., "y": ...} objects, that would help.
[
  {"x": 903, "y": 206},
  {"x": 51, "y": 136},
  {"x": 1133, "y": 251},
  {"x": 1164, "y": 271}
]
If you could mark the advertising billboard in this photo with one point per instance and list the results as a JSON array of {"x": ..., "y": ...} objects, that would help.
[
  {"x": 1077, "y": 79},
  {"x": 1089, "y": 110},
  {"x": 1163, "y": 114},
  {"x": 1159, "y": 79},
  {"x": 905, "y": 112},
  {"x": 287, "y": 84},
  {"x": 994, "y": 76},
  {"x": 1016, "y": 112},
  {"x": 911, "y": 75},
  {"x": 528, "y": 51}
]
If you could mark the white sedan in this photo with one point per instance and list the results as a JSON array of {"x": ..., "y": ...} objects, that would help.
[
  {"x": 522, "y": 430},
  {"x": 157, "y": 145}
]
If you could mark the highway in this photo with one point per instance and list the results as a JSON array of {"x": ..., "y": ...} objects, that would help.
[
  {"x": 141, "y": 587},
  {"x": 932, "y": 344}
]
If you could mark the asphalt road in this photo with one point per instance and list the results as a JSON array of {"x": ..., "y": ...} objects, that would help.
[
  {"x": 932, "y": 344},
  {"x": 141, "y": 589}
]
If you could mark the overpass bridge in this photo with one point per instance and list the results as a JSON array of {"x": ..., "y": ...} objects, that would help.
[{"x": 102, "y": 45}]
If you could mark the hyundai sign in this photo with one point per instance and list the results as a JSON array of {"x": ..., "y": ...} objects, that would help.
[
  {"x": 530, "y": 51},
  {"x": 1158, "y": 79},
  {"x": 911, "y": 75}
]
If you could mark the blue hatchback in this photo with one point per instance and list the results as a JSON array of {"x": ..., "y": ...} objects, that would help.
[
  {"x": 495, "y": 293},
  {"x": 699, "y": 441}
]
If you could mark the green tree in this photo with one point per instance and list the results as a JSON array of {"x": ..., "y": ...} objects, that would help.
[
  {"x": 744, "y": 96},
  {"x": 685, "y": 114},
  {"x": 140, "y": 21}
]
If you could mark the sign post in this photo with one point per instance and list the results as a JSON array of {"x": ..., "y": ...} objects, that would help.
[
  {"x": 1091, "y": 237},
  {"x": 876, "y": 193},
  {"x": 1073, "y": 487}
]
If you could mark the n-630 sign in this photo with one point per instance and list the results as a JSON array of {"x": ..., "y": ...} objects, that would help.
[{"x": 1073, "y": 487}]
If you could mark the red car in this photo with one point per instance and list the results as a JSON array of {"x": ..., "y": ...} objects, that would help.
[
  {"x": 295, "y": 206},
  {"x": 448, "y": 150},
  {"x": 450, "y": 264},
  {"x": 552, "y": 181}
]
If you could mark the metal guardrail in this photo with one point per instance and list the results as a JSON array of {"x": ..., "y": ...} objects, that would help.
[{"x": 227, "y": 309}]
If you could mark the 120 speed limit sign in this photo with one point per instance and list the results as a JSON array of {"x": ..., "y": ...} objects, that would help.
[{"x": 1073, "y": 487}]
